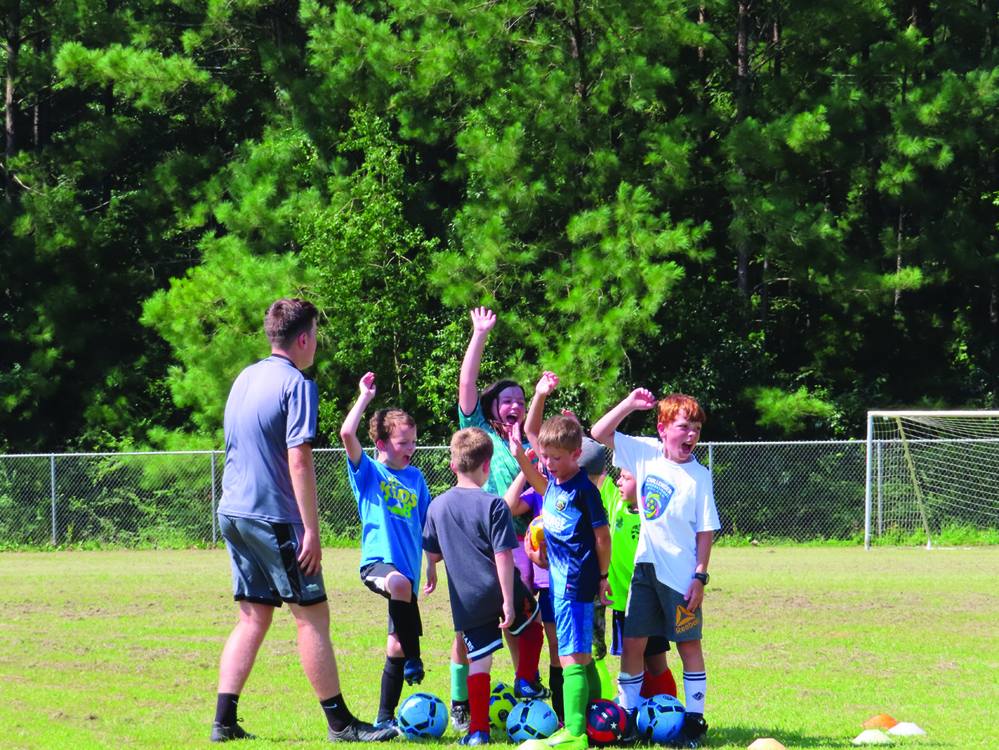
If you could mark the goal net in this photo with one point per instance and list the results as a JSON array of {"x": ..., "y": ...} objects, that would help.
[{"x": 930, "y": 470}]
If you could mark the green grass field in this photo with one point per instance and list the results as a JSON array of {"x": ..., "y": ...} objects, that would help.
[{"x": 120, "y": 649}]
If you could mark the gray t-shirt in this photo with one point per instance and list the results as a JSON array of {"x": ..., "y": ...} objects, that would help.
[
  {"x": 468, "y": 527},
  {"x": 272, "y": 407}
]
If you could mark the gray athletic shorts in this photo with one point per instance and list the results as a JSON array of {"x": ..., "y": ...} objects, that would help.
[
  {"x": 265, "y": 566},
  {"x": 656, "y": 609}
]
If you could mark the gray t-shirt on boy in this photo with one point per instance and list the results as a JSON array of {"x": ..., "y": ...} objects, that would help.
[{"x": 468, "y": 527}]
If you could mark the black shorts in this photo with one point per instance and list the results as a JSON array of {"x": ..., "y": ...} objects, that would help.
[
  {"x": 484, "y": 639},
  {"x": 374, "y": 576},
  {"x": 265, "y": 567}
]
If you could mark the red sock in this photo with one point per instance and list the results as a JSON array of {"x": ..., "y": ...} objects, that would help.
[
  {"x": 532, "y": 640},
  {"x": 664, "y": 684},
  {"x": 478, "y": 702}
]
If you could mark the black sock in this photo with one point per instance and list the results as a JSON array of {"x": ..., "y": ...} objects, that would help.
[
  {"x": 392, "y": 680},
  {"x": 407, "y": 632},
  {"x": 225, "y": 709},
  {"x": 555, "y": 683},
  {"x": 338, "y": 716}
]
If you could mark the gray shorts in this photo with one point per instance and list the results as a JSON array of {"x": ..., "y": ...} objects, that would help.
[
  {"x": 265, "y": 566},
  {"x": 656, "y": 609}
]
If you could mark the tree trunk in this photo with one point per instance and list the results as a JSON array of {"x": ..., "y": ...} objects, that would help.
[
  {"x": 742, "y": 103},
  {"x": 10, "y": 101}
]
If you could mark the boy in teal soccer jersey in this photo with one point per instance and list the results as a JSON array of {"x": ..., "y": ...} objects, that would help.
[
  {"x": 392, "y": 499},
  {"x": 578, "y": 545},
  {"x": 678, "y": 520}
]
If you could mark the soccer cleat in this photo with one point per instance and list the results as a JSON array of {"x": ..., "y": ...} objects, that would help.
[
  {"x": 222, "y": 733},
  {"x": 563, "y": 739},
  {"x": 413, "y": 671},
  {"x": 388, "y": 723},
  {"x": 460, "y": 718},
  {"x": 692, "y": 733},
  {"x": 632, "y": 733},
  {"x": 475, "y": 738},
  {"x": 527, "y": 691},
  {"x": 362, "y": 731}
]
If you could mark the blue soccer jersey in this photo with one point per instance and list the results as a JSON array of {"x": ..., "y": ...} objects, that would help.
[
  {"x": 572, "y": 510},
  {"x": 393, "y": 508}
]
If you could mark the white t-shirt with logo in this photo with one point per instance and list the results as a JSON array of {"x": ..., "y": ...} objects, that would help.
[{"x": 675, "y": 502}]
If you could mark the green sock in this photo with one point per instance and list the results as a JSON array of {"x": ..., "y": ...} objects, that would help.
[
  {"x": 576, "y": 688},
  {"x": 592, "y": 681},
  {"x": 459, "y": 682}
]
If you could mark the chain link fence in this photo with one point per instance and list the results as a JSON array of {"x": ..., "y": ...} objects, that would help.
[{"x": 799, "y": 491}]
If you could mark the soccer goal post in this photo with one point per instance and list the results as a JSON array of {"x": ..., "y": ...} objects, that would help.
[{"x": 930, "y": 469}]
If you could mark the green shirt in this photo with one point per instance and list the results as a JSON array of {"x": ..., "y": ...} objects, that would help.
[{"x": 625, "y": 524}]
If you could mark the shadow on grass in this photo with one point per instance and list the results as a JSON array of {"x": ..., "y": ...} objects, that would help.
[{"x": 744, "y": 736}]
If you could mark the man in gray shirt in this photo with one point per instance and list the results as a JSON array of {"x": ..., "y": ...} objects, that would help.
[{"x": 269, "y": 518}]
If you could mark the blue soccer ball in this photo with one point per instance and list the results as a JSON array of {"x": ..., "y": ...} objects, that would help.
[
  {"x": 531, "y": 720},
  {"x": 423, "y": 715},
  {"x": 660, "y": 718}
]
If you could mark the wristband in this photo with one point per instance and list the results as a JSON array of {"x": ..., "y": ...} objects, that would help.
[{"x": 604, "y": 577}]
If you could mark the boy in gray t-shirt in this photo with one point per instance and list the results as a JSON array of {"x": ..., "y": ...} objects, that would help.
[{"x": 471, "y": 530}]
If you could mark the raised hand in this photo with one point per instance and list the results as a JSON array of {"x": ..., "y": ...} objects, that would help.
[
  {"x": 367, "y": 386},
  {"x": 548, "y": 383},
  {"x": 642, "y": 399},
  {"x": 483, "y": 320}
]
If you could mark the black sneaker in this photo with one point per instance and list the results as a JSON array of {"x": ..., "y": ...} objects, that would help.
[
  {"x": 413, "y": 671},
  {"x": 692, "y": 733},
  {"x": 362, "y": 731},
  {"x": 460, "y": 718},
  {"x": 222, "y": 733},
  {"x": 526, "y": 691}
]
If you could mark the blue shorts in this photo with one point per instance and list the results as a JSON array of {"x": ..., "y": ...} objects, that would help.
[
  {"x": 574, "y": 626},
  {"x": 265, "y": 567},
  {"x": 483, "y": 640},
  {"x": 545, "y": 604}
]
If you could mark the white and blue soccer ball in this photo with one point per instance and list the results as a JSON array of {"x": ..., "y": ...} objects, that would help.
[
  {"x": 660, "y": 718},
  {"x": 531, "y": 720},
  {"x": 423, "y": 715}
]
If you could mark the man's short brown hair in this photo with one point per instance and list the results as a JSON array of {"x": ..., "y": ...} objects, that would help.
[
  {"x": 562, "y": 432},
  {"x": 470, "y": 448},
  {"x": 287, "y": 319},
  {"x": 678, "y": 404},
  {"x": 381, "y": 425}
]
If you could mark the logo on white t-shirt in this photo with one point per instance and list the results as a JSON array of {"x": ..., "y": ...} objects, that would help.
[{"x": 656, "y": 495}]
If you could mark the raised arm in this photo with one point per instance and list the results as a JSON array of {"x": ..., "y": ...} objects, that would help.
[
  {"x": 603, "y": 431},
  {"x": 537, "y": 480},
  {"x": 483, "y": 321},
  {"x": 536, "y": 412},
  {"x": 303, "y": 483},
  {"x": 512, "y": 496},
  {"x": 348, "y": 430}
]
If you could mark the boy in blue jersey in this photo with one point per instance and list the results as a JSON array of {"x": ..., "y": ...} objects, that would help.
[
  {"x": 392, "y": 499},
  {"x": 578, "y": 546},
  {"x": 270, "y": 521}
]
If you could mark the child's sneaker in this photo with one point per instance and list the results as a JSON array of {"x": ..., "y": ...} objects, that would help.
[
  {"x": 222, "y": 733},
  {"x": 413, "y": 671},
  {"x": 563, "y": 739},
  {"x": 388, "y": 724},
  {"x": 460, "y": 718},
  {"x": 692, "y": 733},
  {"x": 475, "y": 738},
  {"x": 527, "y": 691}
]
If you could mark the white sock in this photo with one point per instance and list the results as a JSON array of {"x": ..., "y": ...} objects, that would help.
[
  {"x": 695, "y": 686},
  {"x": 628, "y": 689}
]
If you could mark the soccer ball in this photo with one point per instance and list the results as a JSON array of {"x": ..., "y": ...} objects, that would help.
[
  {"x": 606, "y": 721},
  {"x": 423, "y": 715},
  {"x": 501, "y": 703},
  {"x": 531, "y": 720},
  {"x": 660, "y": 718},
  {"x": 536, "y": 532}
]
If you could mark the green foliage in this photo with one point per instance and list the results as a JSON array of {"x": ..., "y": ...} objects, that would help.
[{"x": 788, "y": 411}]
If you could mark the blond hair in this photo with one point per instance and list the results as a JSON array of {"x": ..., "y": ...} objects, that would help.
[
  {"x": 562, "y": 432},
  {"x": 470, "y": 448}
]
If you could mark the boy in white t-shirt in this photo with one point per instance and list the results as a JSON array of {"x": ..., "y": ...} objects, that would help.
[{"x": 678, "y": 518}]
